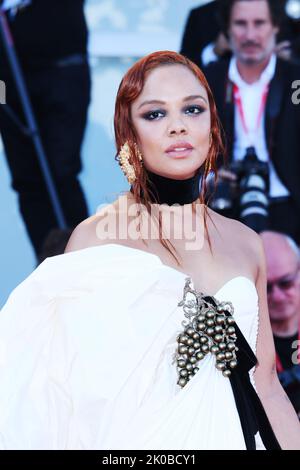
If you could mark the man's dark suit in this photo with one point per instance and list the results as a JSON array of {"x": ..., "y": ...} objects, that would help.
[
  {"x": 282, "y": 127},
  {"x": 202, "y": 28}
]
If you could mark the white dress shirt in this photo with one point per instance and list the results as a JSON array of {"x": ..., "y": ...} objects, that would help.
[{"x": 254, "y": 135}]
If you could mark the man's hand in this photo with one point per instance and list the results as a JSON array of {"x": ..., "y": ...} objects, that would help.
[{"x": 283, "y": 50}]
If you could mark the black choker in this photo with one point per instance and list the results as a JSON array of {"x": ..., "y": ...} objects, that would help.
[{"x": 170, "y": 191}]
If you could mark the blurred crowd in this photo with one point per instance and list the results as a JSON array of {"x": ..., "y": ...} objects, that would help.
[{"x": 250, "y": 54}]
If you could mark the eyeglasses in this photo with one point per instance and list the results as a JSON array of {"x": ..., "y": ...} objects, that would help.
[{"x": 284, "y": 283}]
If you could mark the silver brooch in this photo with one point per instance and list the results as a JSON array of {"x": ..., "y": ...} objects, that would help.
[{"x": 209, "y": 329}]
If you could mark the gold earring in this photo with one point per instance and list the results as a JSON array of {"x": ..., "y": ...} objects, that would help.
[
  {"x": 124, "y": 159},
  {"x": 210, "y": 139}
]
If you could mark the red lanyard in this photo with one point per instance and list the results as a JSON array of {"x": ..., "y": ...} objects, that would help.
[
  {"x": 279, "y": 366},
  {"x": 238, "y": 102}
]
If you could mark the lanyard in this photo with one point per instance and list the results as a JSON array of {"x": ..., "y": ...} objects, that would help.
[
  {"x": 279, "y": 366},
  {"x": 239, "y": 104}
]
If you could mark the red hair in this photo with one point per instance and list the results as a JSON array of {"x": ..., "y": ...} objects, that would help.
[{"x": 130, "y": 88}]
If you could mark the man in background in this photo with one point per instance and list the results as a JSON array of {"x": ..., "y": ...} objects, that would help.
[
  {"x": 204, "y": 42},
  {"x": 253, "y": 94}
]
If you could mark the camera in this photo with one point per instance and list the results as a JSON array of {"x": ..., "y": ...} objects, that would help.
[{"x": 248, "y": 198}]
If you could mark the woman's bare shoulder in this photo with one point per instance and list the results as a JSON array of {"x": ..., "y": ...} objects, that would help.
[
  {"x": 93, "y": 231},
  {"x": 235, "y": 227},
  {"x": 238, "y": 234}
]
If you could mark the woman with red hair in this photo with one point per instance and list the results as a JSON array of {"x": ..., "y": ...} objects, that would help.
[{"x": 152, "y": 331}]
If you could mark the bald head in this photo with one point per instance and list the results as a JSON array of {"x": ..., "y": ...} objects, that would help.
[
  {"x": 278, "y": 245},
  {"x": 283, "y": 261}
]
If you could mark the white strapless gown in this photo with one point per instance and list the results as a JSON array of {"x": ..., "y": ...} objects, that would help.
[{"x": 86, "y": 350}]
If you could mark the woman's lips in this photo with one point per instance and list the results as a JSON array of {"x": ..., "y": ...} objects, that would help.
[
  {"x": 180, "y": 154},
  {"x": 180, "y": 150}
]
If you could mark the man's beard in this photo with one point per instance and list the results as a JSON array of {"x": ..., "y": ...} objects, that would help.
[
  {"x": 259, "y": 59},
  {"x": 254, "y": 60},
  {"x": 251, "y": 61}
]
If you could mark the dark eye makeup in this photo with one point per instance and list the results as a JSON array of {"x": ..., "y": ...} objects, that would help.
[{"x": 157, "y": 114}]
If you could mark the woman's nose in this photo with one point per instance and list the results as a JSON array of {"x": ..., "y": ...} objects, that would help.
[{"x": 177, "y": 127}]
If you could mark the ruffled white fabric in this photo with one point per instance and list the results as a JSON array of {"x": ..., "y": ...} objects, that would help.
[{"x": 86, "y": 351}]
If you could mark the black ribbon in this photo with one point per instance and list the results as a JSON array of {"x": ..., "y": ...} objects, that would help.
[{"x": 251, "y": 411}]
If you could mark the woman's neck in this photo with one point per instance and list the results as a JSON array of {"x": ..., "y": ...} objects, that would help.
[{"x": 169, "y": 191}]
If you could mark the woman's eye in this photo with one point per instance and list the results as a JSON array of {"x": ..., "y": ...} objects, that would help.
[
  {"x": 194, "y": 110},
  {"x": 154, "y": 115}
]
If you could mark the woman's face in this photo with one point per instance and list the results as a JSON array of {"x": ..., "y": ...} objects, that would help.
[{"x": 172, "y": 121}]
